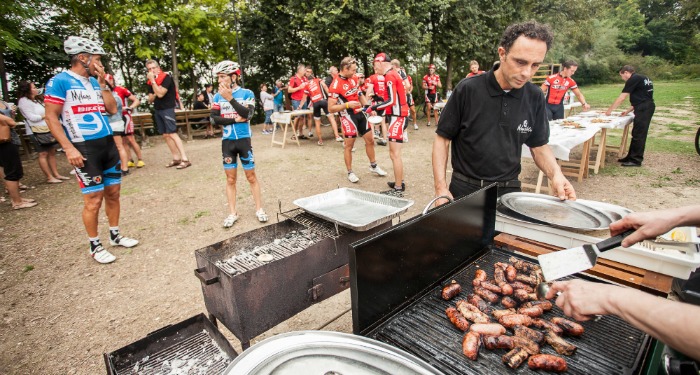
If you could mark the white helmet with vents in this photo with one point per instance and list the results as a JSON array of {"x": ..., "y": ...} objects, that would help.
[
  {"x": 227, "y": 67},
  {"x": 75, "y": 45}
]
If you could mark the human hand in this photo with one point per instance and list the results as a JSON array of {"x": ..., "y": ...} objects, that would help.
[
  {"x": 648, "y": 225},
  {"x": 354, "y": 104},
  {"x": 608, "y": 112},
  {"x": 151, "y": 77},
  {"x": 562, "y": 188},
  {"x": 100, "y": 72},
  {"x": 586, "y": 107},
  {"x": 443, "y": 191},
  {"x": 75, "y": 158},
  {"x": 582, "y": 300},
  {"x": 225, "y": 92}
]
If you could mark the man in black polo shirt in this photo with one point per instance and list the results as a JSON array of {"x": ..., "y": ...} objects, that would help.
[
  {"x": 489, "y": 117},
  {"x": 640, "y": 89}
]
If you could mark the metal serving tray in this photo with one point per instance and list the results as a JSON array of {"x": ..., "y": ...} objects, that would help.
[
  {"x": 551, "y": 210},
  {"x": 355, "y": 209}
]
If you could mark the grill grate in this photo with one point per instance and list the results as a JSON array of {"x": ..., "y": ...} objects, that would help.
[
  {"x": 197, "y": 354},
  {"x": 609, "y": 346},
  {"x": 322, "y": 227}
]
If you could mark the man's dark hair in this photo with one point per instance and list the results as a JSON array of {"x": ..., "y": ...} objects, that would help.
[
  {"x": 568, "y": 64},
  {"x": 208, "y": 85},
  {"x": 627, "y": 68},
  {"x": 530, "y": 29}
]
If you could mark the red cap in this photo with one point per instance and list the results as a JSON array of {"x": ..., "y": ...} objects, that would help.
[
  {"x": 431, "y": 66},
  {"x": 382, "y": 57}
]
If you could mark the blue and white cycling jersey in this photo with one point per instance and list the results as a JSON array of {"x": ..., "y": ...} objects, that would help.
[
  {"x": 238, "y": 130},
  {"x": 83, "y": 116}
]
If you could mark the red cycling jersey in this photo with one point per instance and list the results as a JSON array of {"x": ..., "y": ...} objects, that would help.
[
  {"x": 558, "y": 86},
  {"x": 396, "y": 104},
  {"x": 123, "y": 94},
  {"x": 478, "y": 72},
  {"x": 294, "y": 82},
  {"x": 346, "y": 90},
  {"x": 431, "y": 81},
  {"x": 315, "y": 91},
  {"x": 378, "y": 85}
]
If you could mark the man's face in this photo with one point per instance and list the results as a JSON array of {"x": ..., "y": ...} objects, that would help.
[
  {"x": 625, "y": 76},
  {"x": 333, "y": 71},
  {"x": 350, "y": 70},
  {"x": 210, "y": 88},
  {"x": 474, "y": 68},
  {"x": 568, "y": 72},
  {"x": 431, "y": 71},
  {"x": 301, "y": 70},
  {"x": 377, "y": 67},
  {"x": 153, "y": 68},
  {"x": 309, "y": 73},
  {"x": 94, "y": 63},
  {"x": 224, "y": 79},
  {"x": 520, "y": 64}
]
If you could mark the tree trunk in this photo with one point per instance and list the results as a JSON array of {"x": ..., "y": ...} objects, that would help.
[
  {"x": 173, "y": 53},
  {"x": 449, "y": 61},
  {"x": 3, "y": 77}
]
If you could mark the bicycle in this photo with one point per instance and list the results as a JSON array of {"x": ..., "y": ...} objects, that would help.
[{"x": 697, "y": 141}]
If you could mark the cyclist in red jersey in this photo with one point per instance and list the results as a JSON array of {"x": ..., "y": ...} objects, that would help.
[
  {"x": 408, "y": 86},
  {"x": 474, "y": 69},
  {"x": 376, "y": 91},
  {"x": 362, "y": 82},
  {"x": 431, "y": 84},
  {"x": 296, "y": 87},
  {"x": 396, "y": 109},
  {"x": 346, "y": 98},
  {"x": 317, "y": 92},
  {"x": 556, "y": 87}
]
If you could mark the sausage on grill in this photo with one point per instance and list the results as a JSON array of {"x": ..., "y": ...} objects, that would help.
[
  {"x": 522, "y": 265},
  {"x": 508, "y": 302},
  {"x": 491, "y": 286},
  {"x": 511, "y": 273},
  {"x": 527, "y": 279},
  {"x": 499, "y": 313},
  {"x": 559, "y": 344},
  {"x": 569, "y": 327},
  {"x": 515, "y": 357},
  {"x": 528, "y": 333},
  {"x": 521, "y": 285},
  {"x": 530, "y": 346},
  {"x": 471, "y": 312},
  {"x": 499, "y": 274},
  {"x": 489, "y": 329},
  {"x": 479, "y": 276},
  {"x": 506, "y": 289},
  {"x": 545, "y": 324},
  {"x": 510, "y": 321},
  {"x": 498, "y": 342},
  {"x": 534, "y": 311},
  {"x": 457, "y": 319},
  {"x": 480, "y": 303},
  {"x": 451, "y": 290},
  {"x": 522, "y": 295},
  {"x": 544, "y": 304},
  {"x": 547, "y": 362},
  {"x": 470, "y": 345},
  {"x": 486, "y": 294}
]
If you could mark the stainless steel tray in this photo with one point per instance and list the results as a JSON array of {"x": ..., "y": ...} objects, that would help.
[
  {"x": 355, "y": 209},
  {"x": 551, "y": 210},
  {"x": 613, "y": 211}
]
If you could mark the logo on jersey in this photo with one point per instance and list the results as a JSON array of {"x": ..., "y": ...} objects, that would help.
[
  {"x": 524, "y": 128},
  {"x": 345, "y": 86}
]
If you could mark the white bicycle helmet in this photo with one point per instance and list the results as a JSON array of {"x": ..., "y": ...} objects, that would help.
[
  {"x": 75, "y": 45},
  {"x": 227, "y": 67}
]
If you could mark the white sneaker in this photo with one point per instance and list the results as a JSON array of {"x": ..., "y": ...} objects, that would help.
[
  {"x": 415, "y": 126},
  {"x": 353, "y": 177},
  {"x": 338, "y": 139},
  {"x": 311, "y": 134},
  {"x": 230, "y": 220},
  {"x": 123, "y": 241},
  {"x": 379, "y": 171},
  {"x": 428, "y": 123},
  {"x": 102, "y": 256}
]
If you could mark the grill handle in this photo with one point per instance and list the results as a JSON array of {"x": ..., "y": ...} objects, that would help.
[
  {"x": 199, "y": 272},
  {"x": 425, "y": 210}
]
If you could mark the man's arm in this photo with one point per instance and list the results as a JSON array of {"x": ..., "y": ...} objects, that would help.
[
  {"x": 7, "y": 121},
  {"x": 441, "y": 148},
  {"x": 109, "y": 101},
  {"x": 544, "y": 87},
  {"x": 439, "y": 83},
  {"x": 672, "y": 322},
  {"x": 545, "y": 160},
  {"x": 53, "y": 112},
  {"x": 134, "y": 101},
  {"x": 616, "y": 103},
  {"x": 292, "y": 90},
  {"x": 648, "y": 225},
  {"x": 581, "y": 99}
]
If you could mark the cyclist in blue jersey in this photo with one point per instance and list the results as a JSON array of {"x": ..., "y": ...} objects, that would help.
[
  {"x": 232, "y": 107},
  {"x": 76, "y": 113}
]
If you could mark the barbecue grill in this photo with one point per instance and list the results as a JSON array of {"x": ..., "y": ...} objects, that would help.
[{"x": 396, "y": 279}]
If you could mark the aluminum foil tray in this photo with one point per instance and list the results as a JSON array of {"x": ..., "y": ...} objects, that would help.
[{"x": 355, "y": 209}]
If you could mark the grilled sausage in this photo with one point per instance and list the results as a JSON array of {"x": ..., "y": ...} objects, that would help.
[
  {"x": 515, "y": 357},
  {"x": 521, "y": 295},
  {"x": 545, "y": 324},
  {"x": 480, "y": 304},
  {"x": 521, "y": 285},
  {"x": 486, "y": 294},
  {"x": 569, "y": 327},
  {"x": 545, "y": 305},
  {"x": 489, "y": 329},
  {"x": 528, "y": 333},
  {"x": 547, "y": 362},
  {"x": 491, "y": 286},
  {"x": 471, "y": 312},
  {"x": 506, "y": 289},
  {"x": 470, "y": 345},
  {"x": 451, "y": 290},
  {"x": 559, "y": 344},
  {"x": 511, "y": 273},
  {"x": 457, "y": 319},
  {"x": 499, "y": 274},
  {"x": 527, "y": 279},
  {"x": 522, "y": 265},
  {"x": 479, "y": 276},
  {"x": 508, "y": 302},
  {"x": 539, "y": 276},
  {"x": 499, "y": 313},
  {"x": 534, "y": 311},
  {"x": 498, "y": 342},
  {"x": 510, "y": 321},
  {"x": 530, "y": 346}
]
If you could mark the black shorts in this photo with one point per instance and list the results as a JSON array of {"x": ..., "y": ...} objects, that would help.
[
  {"x": 318, "y": 106},
  {"x": 165, "y": 121},
  {"x": 121, "y": 134},
  {"x": 432, "y": 98},
  {"x": 409, "y": 100},
  {"x": 234, "y": 149},
  {"x": 353, "y": 125},
  {"x": 10, "y": 161},
  {"x": 102, "y": 167},
  {"x": 555, "y": 111}
]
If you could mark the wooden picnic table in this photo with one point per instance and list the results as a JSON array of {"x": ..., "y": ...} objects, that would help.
[
  {"x": 285, "y": 119},
  {"x": 183, "y": 118}
]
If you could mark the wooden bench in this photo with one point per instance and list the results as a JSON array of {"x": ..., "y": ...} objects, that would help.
[
  {"x": 27, "y": 144},
  {"x": 197, "y": 116},
  {"x": 183, "y": 119}
]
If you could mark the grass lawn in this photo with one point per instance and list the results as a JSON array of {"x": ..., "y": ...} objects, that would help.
[{"x": 666, "y": 94}]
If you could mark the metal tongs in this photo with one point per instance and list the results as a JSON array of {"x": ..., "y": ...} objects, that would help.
[{"x": 662, "y": 243}]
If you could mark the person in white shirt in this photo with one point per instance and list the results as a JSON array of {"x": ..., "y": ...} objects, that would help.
[
  {"x": 34, "y": 114},
  {"x": 268, "y": 103}
]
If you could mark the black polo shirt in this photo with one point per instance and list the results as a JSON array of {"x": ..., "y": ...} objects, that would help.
[
  {"x": 640, "y": 89},
  {"x": 488, "y": 126},
  {"x": 169, "y": 100}
]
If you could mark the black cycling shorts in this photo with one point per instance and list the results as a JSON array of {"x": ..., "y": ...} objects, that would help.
[
  {"x": 10, "y": 161},
  {"x": 432, "y": 98},
  {"x": 318, "y": 106},
  {"x": 409, "y": 100},
  {"x": 102, "y": 167},
  {"x": 234, "y": 149}
]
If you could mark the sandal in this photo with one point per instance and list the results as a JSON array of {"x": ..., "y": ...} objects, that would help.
[
  {"x": 262, "y": 216},
  {"x": 228, "y": 222},
  {"x": 28, "y": 200},
  {"x": 320, "y": 143},
  {"x": 184, "y": 164},
  {"x": 173, "y": 163},
  {"x": 23, "y": 205}
]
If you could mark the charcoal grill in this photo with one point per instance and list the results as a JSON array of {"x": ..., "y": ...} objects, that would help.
[
  {"x": 249, "y": 295},
  {"x": 396, "y": 278}
]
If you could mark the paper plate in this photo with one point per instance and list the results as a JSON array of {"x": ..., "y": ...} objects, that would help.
[{"x": 375, "y": 119}]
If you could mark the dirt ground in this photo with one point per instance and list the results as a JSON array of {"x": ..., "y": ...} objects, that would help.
[{"x": 61, "y": 310}]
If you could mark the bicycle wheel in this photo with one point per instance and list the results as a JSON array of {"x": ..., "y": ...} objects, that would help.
[{"x": 697, "y": 141}]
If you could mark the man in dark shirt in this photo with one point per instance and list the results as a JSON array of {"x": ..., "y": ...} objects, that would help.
[
  {"x": 163, "y": 94},
  {"x": 640, "y": 89},
  {"x": 489, "y": 117}
]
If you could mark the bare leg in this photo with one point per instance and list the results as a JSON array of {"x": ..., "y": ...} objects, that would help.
[
  {"x": 430, "y": 109},
  {"x": 119, "y": 141},
  {"x": 171, "y": 145},
  {"x": 178, "y": 144},
  {"x": 435, "y": 114},
  {"x": 135, "y": 146},
  {"x": 13, "y": 190},
  {"x": 91, "y": 210},
  {"x": 52, "y": 165},
  {"x": 318, "y": 130},
  {"x": 334, "y": 125},
  {"x": 112, "y": 207},
  {"x": 395, "y": 155},
  {"x": 349, "y": 144},
  {"x": 413, "y": 113},
  {"x": 369, "y": 146},
  {"x": 254, "y": 188},
  {"x": 231, "y": 189},
  {"x": 44, "y": 166},
  {"x": 385, "y": 132}
]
